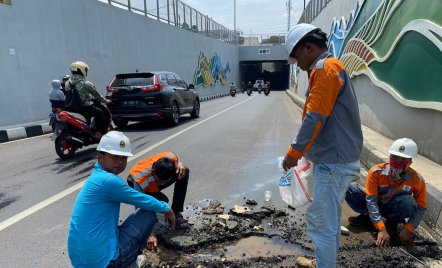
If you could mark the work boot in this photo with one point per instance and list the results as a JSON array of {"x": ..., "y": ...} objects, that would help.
[
  {"x": 361, "y": 220},
  {"x": 303, "y": 262}
]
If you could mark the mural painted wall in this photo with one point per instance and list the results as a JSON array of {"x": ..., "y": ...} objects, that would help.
[
  {"x": 398, "y": 45},
  {"x": 210, "y": 71}
]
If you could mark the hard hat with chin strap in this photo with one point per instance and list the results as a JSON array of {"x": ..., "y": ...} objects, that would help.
[
  {"x": 404, "y": 148},
  {"x": 295, "y": 35},
  {"x": 116, "y": 143}
]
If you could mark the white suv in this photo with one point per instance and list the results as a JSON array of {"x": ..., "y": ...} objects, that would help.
[{"x": 255, "y": 86}]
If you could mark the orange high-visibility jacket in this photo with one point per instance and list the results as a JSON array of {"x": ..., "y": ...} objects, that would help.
[
  {"x": 380, "y": 188},
  {"x": 331, "y": 128},
  {"x": 142, "y": 171}
]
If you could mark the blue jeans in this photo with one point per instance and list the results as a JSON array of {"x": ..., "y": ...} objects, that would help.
[
  {"x": 331, "y": 182},
  {"x": 133, "y": 234},
  {"x": 399, "y": 208}
]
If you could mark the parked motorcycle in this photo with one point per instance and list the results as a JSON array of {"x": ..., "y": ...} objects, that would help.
[{"x": 73, "y": 131}]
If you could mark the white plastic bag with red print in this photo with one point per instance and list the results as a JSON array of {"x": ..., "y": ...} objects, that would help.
[{"x": 293, "y": 184}]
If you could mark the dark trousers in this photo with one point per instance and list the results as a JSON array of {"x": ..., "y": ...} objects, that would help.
[
  {"x": 92, "y": 111},
  {"x": 398, "y": 209},
  {"x": 179, "y": 192}
]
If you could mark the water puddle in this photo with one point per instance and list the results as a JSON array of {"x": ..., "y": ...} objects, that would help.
[
  {"x": 246, "y": 248},
  {"x": 256, "y": 246}
]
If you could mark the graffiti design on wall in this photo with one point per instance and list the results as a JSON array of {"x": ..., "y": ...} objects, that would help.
[
  {"x": 398, "y": 45},
  {"x": 339, "y": 31},
  {"x": 210, "y": 71}
]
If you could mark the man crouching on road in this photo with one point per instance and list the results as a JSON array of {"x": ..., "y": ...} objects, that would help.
[
  {"x": 394, "y": 191},
  {"x": 157, "y": 172},
  {"x": 95, "y": 239}
]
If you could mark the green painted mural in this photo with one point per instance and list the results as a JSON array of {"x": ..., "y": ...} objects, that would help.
[
  {"x": 210, "y": 71},
  {"x": 398, "y": 44}
]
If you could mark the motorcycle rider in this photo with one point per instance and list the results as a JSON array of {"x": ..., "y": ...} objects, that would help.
[
  {"x": 266, "y": 87},
  {"x": 243, "y": 86},
  {"x": 232, "y": 88},
  {"x": 63, "y": 83},
  {"x": 56, "y": 96},
  {"x": 85, "y": 88},
  {"x": 250, "y": 85}
]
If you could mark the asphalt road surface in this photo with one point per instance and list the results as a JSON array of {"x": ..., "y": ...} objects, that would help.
[{"x": 231, "y": 151}]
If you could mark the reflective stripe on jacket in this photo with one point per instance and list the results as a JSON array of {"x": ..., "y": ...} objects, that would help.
[
  {"x": 142, "y": 171},
  {"x": 380, "y": 188},
  {"x": 331, "y": 127}
]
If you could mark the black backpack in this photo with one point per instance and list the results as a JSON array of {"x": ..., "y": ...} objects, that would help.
[{"x": 73, "y": 101}]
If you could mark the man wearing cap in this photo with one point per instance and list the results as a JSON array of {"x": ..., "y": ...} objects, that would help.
[
  {"x": 330, "y": 136},
  {"x": 95, "y": 239},
  {"x": 393, "y": 191}
]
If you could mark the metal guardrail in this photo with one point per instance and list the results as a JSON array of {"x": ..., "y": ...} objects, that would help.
[
  {"x": 177, "y": 13},
  {"x": 312, "y": 10}
]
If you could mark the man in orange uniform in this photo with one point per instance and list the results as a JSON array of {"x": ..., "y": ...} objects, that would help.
[
  {"x": 394, "y": 191},
  {"x": 330, "y": 136},
  {"x": 157, "y": 172}
]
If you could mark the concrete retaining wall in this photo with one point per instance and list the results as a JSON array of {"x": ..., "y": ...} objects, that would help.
[
  {"x": 379, "y": 110},
  {"x": 40, "y": 39}
]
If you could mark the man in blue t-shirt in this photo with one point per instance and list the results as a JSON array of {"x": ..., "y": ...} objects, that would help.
[{"x": 95, "y": 239}]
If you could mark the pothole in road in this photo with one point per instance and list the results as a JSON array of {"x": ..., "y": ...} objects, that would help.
[
  {"x": 256, "y": 246},
  {"x": 265, "y": 236}
]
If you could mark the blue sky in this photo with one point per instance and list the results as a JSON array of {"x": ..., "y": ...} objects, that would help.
[
  {"x": 266, "y": 17},
  {"x": 253, "y": 17}
]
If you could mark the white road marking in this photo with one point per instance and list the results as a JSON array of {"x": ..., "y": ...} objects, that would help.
[{"x": 55, "y": 198}]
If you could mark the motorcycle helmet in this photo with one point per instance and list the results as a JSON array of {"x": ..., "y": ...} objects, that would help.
[
  {"x": 79, "y": 67},
  {"x": 66, "y": 78}
]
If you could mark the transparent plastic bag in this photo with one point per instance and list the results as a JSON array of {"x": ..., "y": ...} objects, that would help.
[{"x": 293, "y": 184}]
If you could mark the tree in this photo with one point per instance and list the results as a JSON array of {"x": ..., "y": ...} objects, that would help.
[{"x": 275, "y": 40}]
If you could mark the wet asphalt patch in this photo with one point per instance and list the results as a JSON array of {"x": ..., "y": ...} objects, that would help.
[{"x": 266, "y": 236}]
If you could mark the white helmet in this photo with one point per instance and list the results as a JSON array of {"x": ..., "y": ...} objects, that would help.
[
  {"x": 294, "y": 36},
  {"x": 115, "y": 142},
  {"x": 79, "y": 67},
  {"x": 404, "y": 148}
]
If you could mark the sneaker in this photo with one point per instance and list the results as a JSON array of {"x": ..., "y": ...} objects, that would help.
[
  {"x": 303, "y": 262},
  {"x": 361, "y": 220}
]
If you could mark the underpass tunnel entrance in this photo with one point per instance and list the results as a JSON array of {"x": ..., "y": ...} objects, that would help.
[{"x": 276, "y": 72}]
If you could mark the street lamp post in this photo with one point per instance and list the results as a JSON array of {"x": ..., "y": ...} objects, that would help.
[{"x": 234, "y": 20}]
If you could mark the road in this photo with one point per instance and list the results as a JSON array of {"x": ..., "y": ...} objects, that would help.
[{"x": 231, "y": 151}]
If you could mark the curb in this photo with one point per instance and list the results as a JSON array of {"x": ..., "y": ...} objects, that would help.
[
  {"x": 18, "y": 133},
  {"x": 211, "y": 97},
  {"x": 370, "y": 156}
]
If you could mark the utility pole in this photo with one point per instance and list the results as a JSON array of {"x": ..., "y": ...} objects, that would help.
[
  {"x": 234, "y": 20},
  {"x": 289, "y": 11}
]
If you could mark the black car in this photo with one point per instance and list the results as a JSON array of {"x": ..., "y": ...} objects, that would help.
[{"x": 151, "y": 96}]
